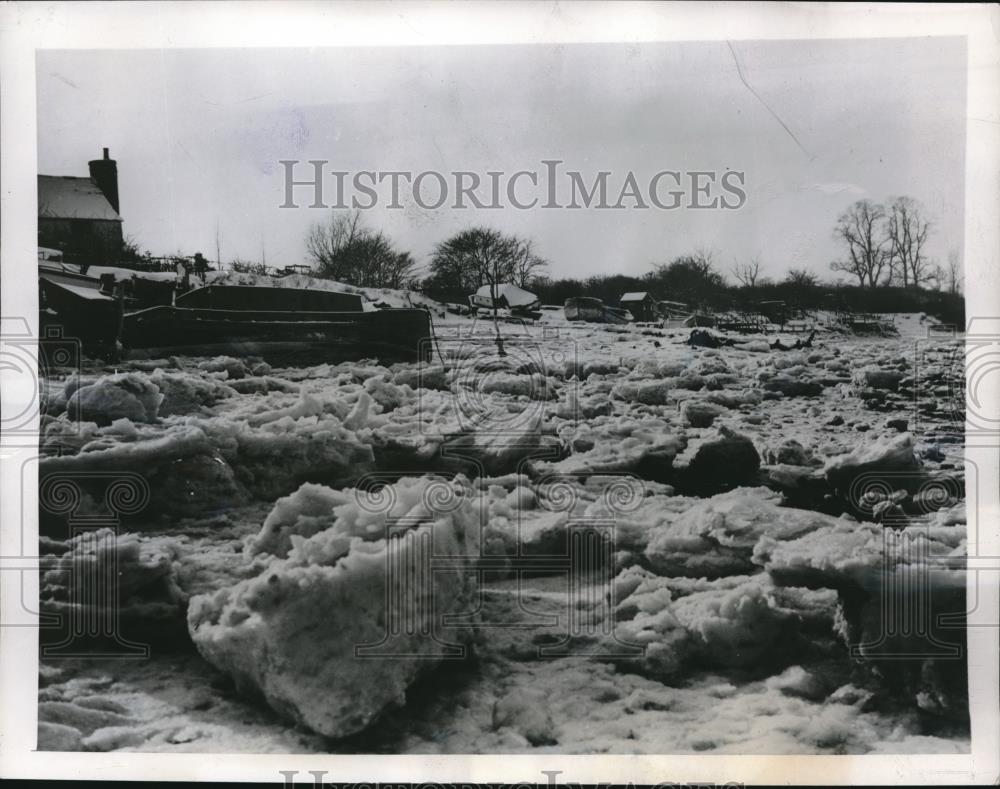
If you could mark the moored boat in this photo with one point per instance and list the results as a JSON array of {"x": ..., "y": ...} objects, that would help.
[
  {"x": 617, "y": 315},
  {"x": 584, "y": 308},
  {"x": 591, "y": 310},
  {"x": 278, "y": 324},
  {"x": 283, "y": 336}
]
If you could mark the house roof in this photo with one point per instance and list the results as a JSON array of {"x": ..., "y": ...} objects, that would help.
[
  {"x": 636, "y": 296},
  {"x": 69, "y": 197}
]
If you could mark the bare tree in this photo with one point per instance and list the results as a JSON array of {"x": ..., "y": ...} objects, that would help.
[
  {"x": 327, "y": 242},
  {"x": 907, "y": 231},
  {"x": 860, "y": 227},
  {"x": 527, "y": 265},
  {"x": 953, "y": 272},
  {"x": 933, "y": 275},
  {"x": 691, "y": 277},
  {"x": 131, "y": 253},
  {"x": 402, "y": 272},
  {"x": 747, "y": 274},
  {"x": 704, "y": 260},
  {"x": 347, "y": 251},
  {"x": 484, "y": 256},
  {"x": 800, "y": 278}
]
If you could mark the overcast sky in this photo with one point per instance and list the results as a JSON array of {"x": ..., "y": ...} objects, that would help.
[{"x": 198, "y": 134}]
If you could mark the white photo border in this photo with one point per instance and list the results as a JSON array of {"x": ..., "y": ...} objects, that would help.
[{"x": 28, "y": 27}]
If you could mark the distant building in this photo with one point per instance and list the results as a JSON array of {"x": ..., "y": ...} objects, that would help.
[
  {"x": 79, "y": 216},
  {"x": 641, "y": 304}
]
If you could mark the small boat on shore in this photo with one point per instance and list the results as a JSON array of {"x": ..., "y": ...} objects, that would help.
[
  {"x": 616, "y": 315},
  {"x": 522, "y": 304},
  {"x": 592, "y": 310},
  {"x": 584, "y": 308},
  {"x": 674, "y": 314}
]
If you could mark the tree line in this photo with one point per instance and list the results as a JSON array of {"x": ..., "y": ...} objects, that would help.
[{"x": 883, "y": 245}]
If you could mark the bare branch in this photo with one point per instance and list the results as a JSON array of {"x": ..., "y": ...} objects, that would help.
[
  {"x": 869, "y": 250},
  {"x": 747, "y": 274}
]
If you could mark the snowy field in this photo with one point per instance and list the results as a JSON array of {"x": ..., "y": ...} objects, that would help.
[{"x": 753, "y": 509}]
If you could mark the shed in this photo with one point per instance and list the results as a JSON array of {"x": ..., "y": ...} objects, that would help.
[{"x": 641, "y": 304}]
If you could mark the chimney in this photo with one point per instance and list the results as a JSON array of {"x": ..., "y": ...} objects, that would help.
[{"x": 104, "y": 173}]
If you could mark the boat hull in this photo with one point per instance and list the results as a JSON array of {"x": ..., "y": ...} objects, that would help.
[
  {"x": 616, "y": 315},
  {"x": 258, "y": 298},
  {"x": 280, "y": 336},
  {"x": 584, "y": 309},
  {"x": 599, "y": 314}
]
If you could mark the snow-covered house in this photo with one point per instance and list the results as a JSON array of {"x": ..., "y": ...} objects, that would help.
[{"x": 79, "y": 215}]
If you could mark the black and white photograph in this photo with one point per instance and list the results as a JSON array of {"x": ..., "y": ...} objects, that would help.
[{"x": 544, "y": 398}]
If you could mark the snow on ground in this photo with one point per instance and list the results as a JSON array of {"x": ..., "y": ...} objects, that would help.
[{"x": 760, "y": 502}]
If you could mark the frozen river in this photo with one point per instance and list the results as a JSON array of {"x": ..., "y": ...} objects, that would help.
[{"x": 606, "y": 541}]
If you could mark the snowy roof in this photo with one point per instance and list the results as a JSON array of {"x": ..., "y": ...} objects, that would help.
[
  {"x": 69, "y": 197},
  {"x": 514, "y": 296},
  {"x": 128, "y": 273},
  {"x": 636, "y": 296}
]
